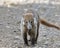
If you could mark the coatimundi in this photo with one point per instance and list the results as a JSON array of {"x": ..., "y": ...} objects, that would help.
[{"x": 30, "y": 26}]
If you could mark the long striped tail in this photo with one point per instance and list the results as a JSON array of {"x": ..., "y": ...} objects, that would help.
[{"x": 44, "y": 22}]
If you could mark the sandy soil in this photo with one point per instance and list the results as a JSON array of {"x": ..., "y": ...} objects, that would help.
[{"x": 10, "y": 35}]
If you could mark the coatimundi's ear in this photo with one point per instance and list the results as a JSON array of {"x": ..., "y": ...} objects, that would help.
[
  {"x": 22, "y": 20},
  {"x": 35, "y": 21}
]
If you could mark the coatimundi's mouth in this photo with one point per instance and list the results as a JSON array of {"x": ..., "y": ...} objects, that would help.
[{"x": 29, "y": 30}]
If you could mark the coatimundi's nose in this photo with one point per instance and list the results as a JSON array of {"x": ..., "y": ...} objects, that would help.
[
  {"x": 29, "y": 26},
  {"x": 29, "y": 29}
]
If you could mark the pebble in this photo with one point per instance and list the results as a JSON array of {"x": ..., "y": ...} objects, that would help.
[
  {"x": 8, "y": 27},
  {"x": 16, "y": 38},
  {"x": 15, "y": 31}
]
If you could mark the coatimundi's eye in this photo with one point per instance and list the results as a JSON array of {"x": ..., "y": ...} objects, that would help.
[
  {"x": 26, "y": 22},
  {"x": 31, "y": 21}
]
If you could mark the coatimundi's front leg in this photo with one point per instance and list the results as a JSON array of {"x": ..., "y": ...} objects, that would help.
[{"x": 25, "y": 35}]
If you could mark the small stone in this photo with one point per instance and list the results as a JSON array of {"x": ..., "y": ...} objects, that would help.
[
  {"x": 8, "y": 23},
  {"x": 16, "y": 38},
  {"x": 19, "y": 47},
  {"x": 15, "y": 42},
  {"x": 15, "y": 31},
  {"x": 40, "y": 47},
  {"x": 7, "y": 26},
  {"x": 46, "y": 43},
  {"x": 44, "y": 35}
]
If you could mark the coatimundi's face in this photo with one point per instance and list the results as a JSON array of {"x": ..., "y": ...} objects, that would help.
[{"x": 28, "y": 20}]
